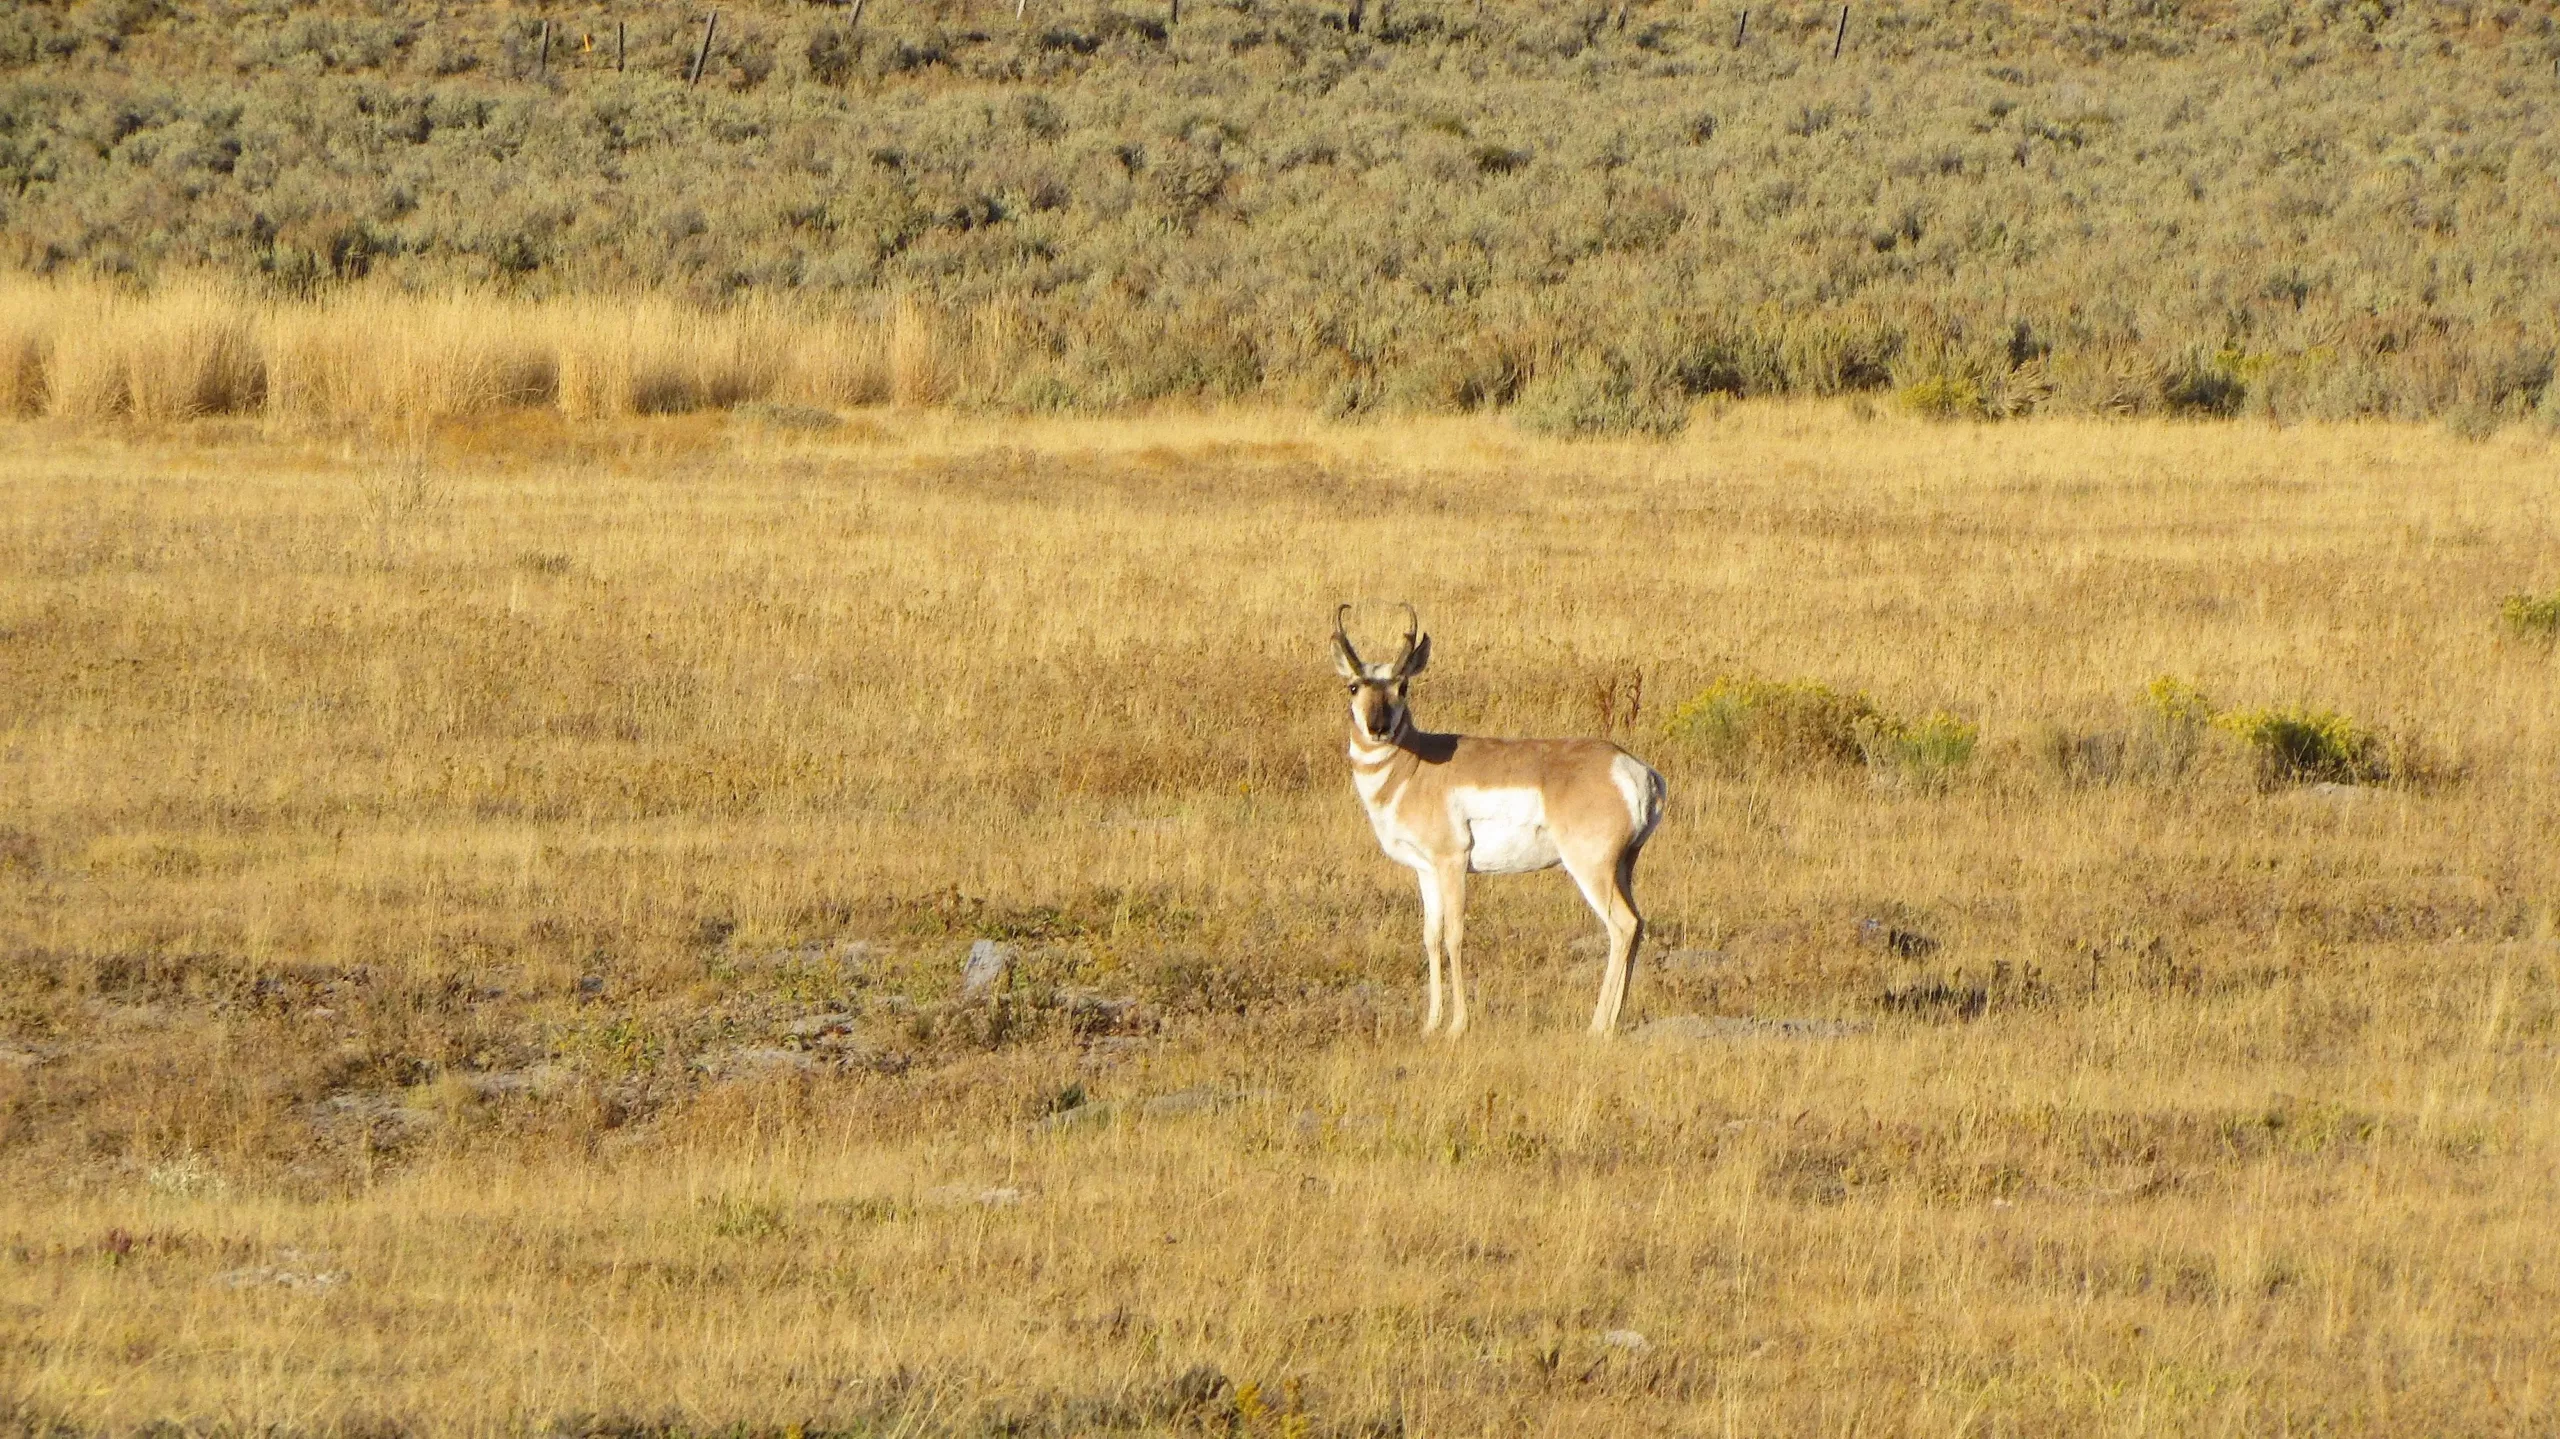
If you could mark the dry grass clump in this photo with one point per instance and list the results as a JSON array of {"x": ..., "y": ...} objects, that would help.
[
  {"x": 370, "y": 357},
  {"x": 488, "y": 917},
  {"x": 191, "y": 351}
]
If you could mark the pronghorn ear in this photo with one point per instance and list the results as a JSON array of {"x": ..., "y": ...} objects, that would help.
[{"x": 1416, "y": 659}]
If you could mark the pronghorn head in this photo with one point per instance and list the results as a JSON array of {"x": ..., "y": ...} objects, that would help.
[{"x": 1377, "y": 691}]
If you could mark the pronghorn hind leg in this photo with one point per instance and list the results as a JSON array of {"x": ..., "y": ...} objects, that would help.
[
  {"x": 1434, "y": 921},
  {"x": 1608, "y": 889}
]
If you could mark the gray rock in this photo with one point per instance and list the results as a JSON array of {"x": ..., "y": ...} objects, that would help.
[
  {"x": 499, "y": 1083},
  {"x": 963, "y": 1196},
  {"x": 817, "y": 1025},
  {"x": 760, "y": 1059},
  {"x": 1083, "y": 1116},
  {"x": 1701, "y": 1028},
  {"x": 369, "y": 1109},
  {"x": 293, "y": 1269},
  {"x": 1908, "y": 943},
  {"x": 986, "y": 964},
  {"x": 1199, "y": 1099}
]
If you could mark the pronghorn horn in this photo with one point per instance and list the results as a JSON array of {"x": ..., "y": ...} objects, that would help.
[
  {"x": 1412, "y": 626},
  {"x": 1342, "y": 638}
]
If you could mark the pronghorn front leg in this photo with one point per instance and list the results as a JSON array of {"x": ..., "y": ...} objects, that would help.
[
  {"x": 1431, "y": 932},
  {"x": 1453, "y": 938}
]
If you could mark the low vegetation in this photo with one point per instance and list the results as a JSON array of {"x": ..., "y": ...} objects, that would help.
[
  {"x": 2531, "y": 617},
  {"x": 1743, "y": 722},
  {"x": 754, "y": 920},
  {"x": 2298, "y": 745},
  {"x": 1599, "y": 214}
]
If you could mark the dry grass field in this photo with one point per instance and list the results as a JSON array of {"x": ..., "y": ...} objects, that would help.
[{"x": 482, "y": 917}]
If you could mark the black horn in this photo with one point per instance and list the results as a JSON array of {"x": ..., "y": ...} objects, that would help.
[
  {"x": 1417, "y": 645},
  {"x": 1342, "y": 638}
]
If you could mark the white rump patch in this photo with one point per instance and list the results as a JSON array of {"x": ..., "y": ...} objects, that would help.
[
  {"x": 1642, "y": 789},
  {"x": 1506, "y": 829}
]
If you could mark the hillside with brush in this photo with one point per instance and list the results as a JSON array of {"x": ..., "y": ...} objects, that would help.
[{"x": 1592, "y": 215}]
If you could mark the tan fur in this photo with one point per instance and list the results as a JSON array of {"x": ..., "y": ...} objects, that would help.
[{"x": 1447, "y": 805}]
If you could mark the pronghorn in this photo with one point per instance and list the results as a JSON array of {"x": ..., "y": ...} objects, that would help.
[{"x": 1447, "y": 805}]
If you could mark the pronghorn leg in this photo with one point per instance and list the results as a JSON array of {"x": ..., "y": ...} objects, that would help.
[
  {"x": 1453, "y": 938},
  {"x": 1432, "y": 919},
  {"x": 1609, "y": 890}
]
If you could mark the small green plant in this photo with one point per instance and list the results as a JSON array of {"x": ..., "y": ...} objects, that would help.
[
  {"x": 2305, "y": 746},
  {"x": 1925, "y": 752},
  {"x": 1942, "y": 397},
  {"x": 2177, "y": 703},
  {"x": 1741, "y": 719},
  {"x": 2532, "y": 618}
]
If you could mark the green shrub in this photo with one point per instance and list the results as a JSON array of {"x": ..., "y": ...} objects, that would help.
[
  {"x": 1942, "y": 397},
  {"x": 1601, "y": 398},
  {"x": 2529, "y": 617},
  {"x": 1783, "y": 723},
  {"x": 2305, "y": 746},
  {"x": 2176, "y": 702},
  {"x": 1926, "y": 752},
  {"x": 2202, "y": 385}
]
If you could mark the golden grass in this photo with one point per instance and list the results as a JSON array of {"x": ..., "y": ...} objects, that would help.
[
  {"x": 376, "y": 358},
  {"x": 408, "y": 849}
]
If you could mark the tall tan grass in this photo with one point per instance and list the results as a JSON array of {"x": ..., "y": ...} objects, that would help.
[
  {"x": 481, "y": 923},
  {"x": 374, "y": 357}
]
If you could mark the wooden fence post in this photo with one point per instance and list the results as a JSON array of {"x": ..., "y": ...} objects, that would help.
[
  {"x": 542, "y": 53},
  {"x": 854, "y": 19},
  {"x": 1172, "y": 13},
  {"x": 1741, "y": 27},
  {"x": 618, "y": 50},
  {"x": 703, "y": 54},
  {"x": 1843, "y": 32}
]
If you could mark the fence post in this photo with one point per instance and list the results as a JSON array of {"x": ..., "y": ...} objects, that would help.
[
  {"x": 1843, "y": 32},
  {"x": 1741, "y": 27},
  {"x": 1172, "y": 13},
  {"x": 542, "y": 53},
  {"x": 618, "y": 50},
  {"x": 854, "y": 19},
  {"x": 703, "y": 53}
]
